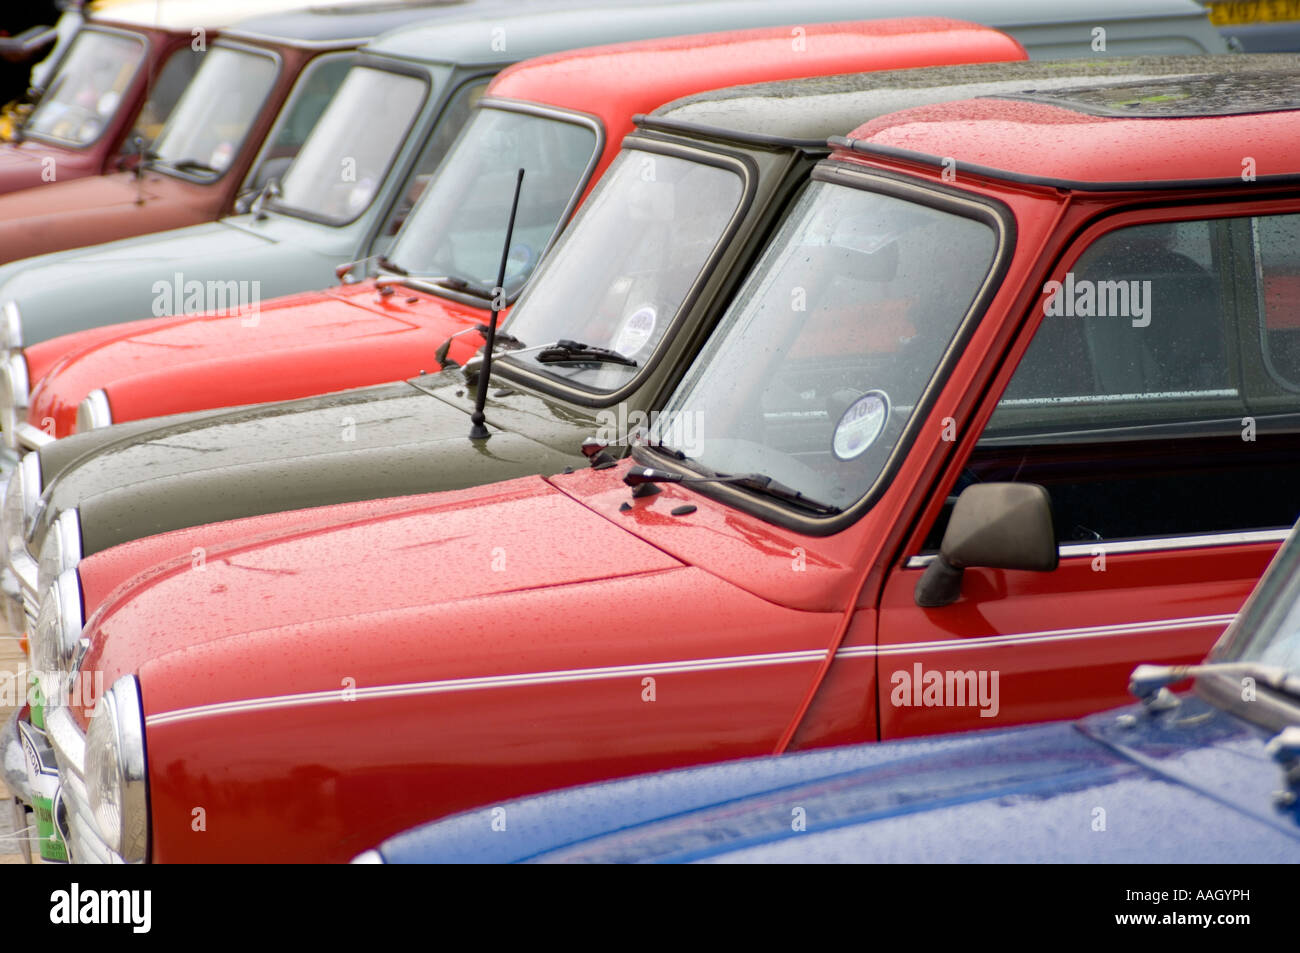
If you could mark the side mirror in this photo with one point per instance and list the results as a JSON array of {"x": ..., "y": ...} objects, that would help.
[
  {"x": 133, "y": 152},
  {"x": 996, "y": 525},
  {"x": 271, "y": 170},
  {"x": 257, "y": 204}
]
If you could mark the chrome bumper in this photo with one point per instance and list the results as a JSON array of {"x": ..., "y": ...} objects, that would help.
[
  {"x": 17, "y": 583},
  {"x": 15, "y": 774},
  {"x": 21, "y": 604},
  {"x": 15, "y": 765},
  {"x": 31, "y": 438}
]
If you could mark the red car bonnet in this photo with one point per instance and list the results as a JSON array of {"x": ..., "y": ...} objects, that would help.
[{"x": 429, "y": 550}]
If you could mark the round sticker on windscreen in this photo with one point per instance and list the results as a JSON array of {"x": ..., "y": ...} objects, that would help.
[
  {"x": 636, "y": 331},
  {"x": 860, "y": 425},
  {"x": 107, "y": 103},
  {"x": 360, "y": 195},
  {"x": 221, "y": 156}
]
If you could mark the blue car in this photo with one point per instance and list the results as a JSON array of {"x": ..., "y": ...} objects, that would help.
[{"x": 1213, "y": 776}]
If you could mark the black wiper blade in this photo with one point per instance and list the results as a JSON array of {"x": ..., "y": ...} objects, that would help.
[
  {"x": 466, "y": 286},
  {"x": 190, "y": 165},
  {"x": 759, "y": 483},
  {"x": 764, "y": 485},
  {"x": 389, "y": 265},
  {"x": 575, "y": 352}
]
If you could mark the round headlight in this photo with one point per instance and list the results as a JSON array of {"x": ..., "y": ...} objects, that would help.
[
  {"x": 93, "y": 412},
  {"x": 11, "y": 326},
  {"x": 22, "y": 496},
  {"x": 115, "y": 771},
  {"x": 13, "y": 396},
  {"x": 61, "y": 550},
  {"x": 56, "y": 635}
]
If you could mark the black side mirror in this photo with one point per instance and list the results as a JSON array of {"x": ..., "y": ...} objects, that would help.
[{"x": 997, "y": 525}]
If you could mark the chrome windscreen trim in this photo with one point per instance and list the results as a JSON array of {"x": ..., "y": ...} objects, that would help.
[{"x": 1162, "y": 544}]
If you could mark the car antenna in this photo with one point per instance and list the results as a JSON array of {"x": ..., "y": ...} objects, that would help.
[{"x": 477, "y": 428}]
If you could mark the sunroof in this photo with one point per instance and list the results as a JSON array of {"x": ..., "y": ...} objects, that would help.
[{"x": 1222, "y": 93}]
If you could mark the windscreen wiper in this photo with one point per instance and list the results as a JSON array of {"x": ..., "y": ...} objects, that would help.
[
  {"x": 575, "y": 352},
  {"x": 468, "y": 287},
  {"x": 1148, "y": 681},
  {"x": 759, "y": 483},
  {"x": 190, "y": 165},
  {"x": 431, "y": 282},
  {"x": 400, "y": 276}
]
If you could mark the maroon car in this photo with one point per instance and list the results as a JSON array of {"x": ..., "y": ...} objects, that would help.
[{"x": 257, "y": 92}]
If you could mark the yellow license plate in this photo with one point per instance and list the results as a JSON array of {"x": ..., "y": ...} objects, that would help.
[{"x": 1228, "y": 12}]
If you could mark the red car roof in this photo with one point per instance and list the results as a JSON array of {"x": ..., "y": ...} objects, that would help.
[
  {"x": 1175, "y": 135},
  {"x": 595, "y": 79}
]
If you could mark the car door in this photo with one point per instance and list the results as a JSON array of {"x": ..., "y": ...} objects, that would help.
[{"x": 1158, "y": 402}]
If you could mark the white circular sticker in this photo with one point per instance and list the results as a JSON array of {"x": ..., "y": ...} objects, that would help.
[
  {"x": 360, "y": 195},
  {"x": 860, "y": 425},
  {"x": 107, "y": 103},
  {"x": 636, "y": 331},
  {"x": 221, "y": 156}
]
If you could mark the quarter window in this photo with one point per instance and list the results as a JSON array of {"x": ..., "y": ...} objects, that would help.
[
  {"x": 1276, "y": 240},
  {"x": 454, "y": 117},
  {"x": 165, "y": 91}
]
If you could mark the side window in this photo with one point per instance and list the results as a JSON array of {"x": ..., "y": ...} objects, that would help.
[
  {"x": 311, "y": 94},
  {"x": 454, "y": 116},
  {"x": 165, "y": 89},
  {"x": 1134, "y": 332},
  {"x": 1142, "y": 403}
]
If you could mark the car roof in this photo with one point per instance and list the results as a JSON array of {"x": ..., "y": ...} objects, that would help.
[
  {"x": 503, "y": 33},
  {"x": 825, "y": 106},
  {"x": 347, "y": 23},
  {"x": 590, "y": 79},
  {"x": 1177, "y": 120},
  {"x": 188, "y": 14}
]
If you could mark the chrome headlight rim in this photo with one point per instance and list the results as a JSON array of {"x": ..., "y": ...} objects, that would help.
[
  {"x": 15, "y": 393},
  {"x": 94, "y": 413},
  {"x": 60, "y": 551},
  {"x": 24, "y": 505},
  {"x": 115, "y": 771},
  {"x": 56, "y": 638},
  {"x": 72, "y": 620},
  {"x": 11, "y": 326}
]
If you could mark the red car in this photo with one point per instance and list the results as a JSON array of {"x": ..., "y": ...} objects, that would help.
[
  {"x": 365, "y": 333},
  {"x": 886, "y": 500}
]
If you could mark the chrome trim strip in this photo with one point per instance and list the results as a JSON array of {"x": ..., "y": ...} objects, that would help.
[
  {"x": 1160, "y": 544},
  {"x": 690, "y": 665},
  {"x": 1084, "y": 400},
  {"x": 1053, "y": 635}
]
